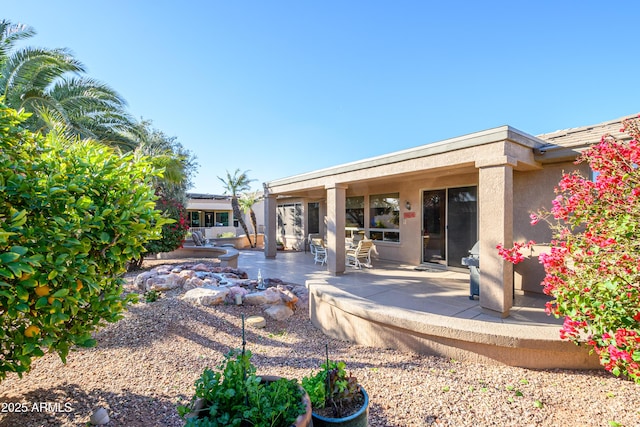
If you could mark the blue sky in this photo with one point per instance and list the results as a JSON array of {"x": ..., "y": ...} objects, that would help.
[{"x": 285, "y": 87}]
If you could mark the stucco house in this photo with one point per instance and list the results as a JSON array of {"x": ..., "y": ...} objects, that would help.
[
  {"x": 213, "y": 215},
  {"x": 430, "y": 204}
]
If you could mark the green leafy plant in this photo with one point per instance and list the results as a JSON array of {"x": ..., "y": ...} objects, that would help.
[
  {"x": 227, "y": 235},
  {"x": 152, "y": 296},
  {"x": 332, "y": 388},
  {"x": 235, "y": 396},
  {"x": 72, "y": 214}
]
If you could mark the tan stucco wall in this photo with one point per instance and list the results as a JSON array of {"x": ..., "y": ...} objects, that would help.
[
  {"x": 534, "y": 190},
  {"x": 409, "y": 250}
]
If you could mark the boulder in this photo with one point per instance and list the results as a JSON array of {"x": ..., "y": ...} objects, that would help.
[
  {"x": 164, "y": 282},
  {"x": 279, "y": 312},
  {"x": 202, "y": 267},
  {"x": 141, "y": 280},
  {"x": 206, "y": 296},
  {"x": 266, "y": 297},
  {"x": 187, "y": 274},
  {"x": 287, "y": 297},
  {"x": 192, "y": 283},
  {"x": 303, "y": 295},
  {"x": 236, "y": 290}
]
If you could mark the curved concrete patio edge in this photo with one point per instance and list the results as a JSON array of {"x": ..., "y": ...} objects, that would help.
[{"x": 345, "y": 316}]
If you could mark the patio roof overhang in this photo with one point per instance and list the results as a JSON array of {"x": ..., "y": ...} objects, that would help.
[
  {"x": 208, "y": 205},
  {"x": 463, "y": 154}
]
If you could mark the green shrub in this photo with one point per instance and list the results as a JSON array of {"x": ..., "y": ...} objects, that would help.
[
  {"x": 227, "y": 235},
  {"x": 72, "y": 213},
  {"x": 235, "y": 396}
]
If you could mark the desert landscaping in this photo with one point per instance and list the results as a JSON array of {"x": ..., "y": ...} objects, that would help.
[{"x": 146, "y": 364}]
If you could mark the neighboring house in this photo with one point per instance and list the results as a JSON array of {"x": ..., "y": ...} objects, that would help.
[
  {"x": 431, "y": 204},
  {"x": 213, "y": 215}
]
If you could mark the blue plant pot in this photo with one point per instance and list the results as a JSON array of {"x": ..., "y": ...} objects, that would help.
[{"x": 359, "y": 419}]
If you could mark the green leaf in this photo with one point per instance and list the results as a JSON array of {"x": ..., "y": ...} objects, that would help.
[
  {"x": 88, "y": 343},
  {"x": 8, "y": 257},
  {"x": 19, "y": 218},
  {"x": 42, "y": 302},
  {"x": 19, "y": 250},
  {"x": 61, "y": 293},
  {"x": 22, "y": 307},
  {"x": 6, "y": 273},
  {"x": 22, "y": 293}
]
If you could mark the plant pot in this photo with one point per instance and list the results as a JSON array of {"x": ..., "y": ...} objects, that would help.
[
  {"x": 304, "y": 420},
  {"x": 359, "y": 419}
]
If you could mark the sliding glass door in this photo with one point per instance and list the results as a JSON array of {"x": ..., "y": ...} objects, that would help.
[{"x": 449, "y": 224}]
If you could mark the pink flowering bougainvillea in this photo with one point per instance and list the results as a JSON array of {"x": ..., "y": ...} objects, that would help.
[{"x": 593, "y": 267}]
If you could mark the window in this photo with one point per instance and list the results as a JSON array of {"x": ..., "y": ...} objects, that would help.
[
  {"x": 384, "y": 215},
  {"x": 194, "y": 219},
  {"x": 355, "y": 212},
  {"x": 222, "y": 219},
  {"x": 313, "y": 215},
  {"x": 208, "y": 219}
]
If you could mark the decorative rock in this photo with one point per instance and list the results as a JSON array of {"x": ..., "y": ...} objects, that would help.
[
  {"x": 187, "y": 274},
  {"x": 287, "y": 297},
  {"x": 99, "y": 417},
  {"x": 206, "y": 296},
  {"x": 163, "y": 269},
  {"x": 235, "y": 291},
  {"x": 141, "y": 279},
  {"x": 192, "y": 283},
  {"x": 269, "y": 296},
  {"x": 279, "y": 312},
  {"x": 164, "y": 282},
  {"x": 303, "y": 296},
  {"x": 256, "y": 321},
  {"x": 201, "y": 267}
]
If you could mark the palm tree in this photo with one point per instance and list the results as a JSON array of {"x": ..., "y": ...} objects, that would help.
[
  {"x": 83, "y": 107},
  {"x": 236, "y": 184},
  {"x": 179, "y": 163},
  {"x": 246, "y": 204},
  {"x": 37, "y": 80}
]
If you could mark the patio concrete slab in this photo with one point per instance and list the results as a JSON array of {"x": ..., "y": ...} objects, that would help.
[
  {"x": 423, "y": 310},
  {"x": 420, "y": 288}
]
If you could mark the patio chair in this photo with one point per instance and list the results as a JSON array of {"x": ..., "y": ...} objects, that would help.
[
  {"x": 360, "y": 255},
  {"x": 320, "y": 256},
  {"x": 318, "y": 251}
]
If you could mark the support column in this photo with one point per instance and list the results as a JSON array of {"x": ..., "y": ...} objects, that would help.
[
  {"x": 495, "y": 201},
  {"x": 336, "y": 205},
  {"x": 270, "y": 220}
]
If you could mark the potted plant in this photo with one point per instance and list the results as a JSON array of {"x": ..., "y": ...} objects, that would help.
[
  {"x": 279, "y": 245},
  {"x": 235, "y": 396},
  {"x": 336, "y": 397}
]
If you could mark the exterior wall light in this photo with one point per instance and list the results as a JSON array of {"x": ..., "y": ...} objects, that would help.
[{"x": 407, "y": 205}]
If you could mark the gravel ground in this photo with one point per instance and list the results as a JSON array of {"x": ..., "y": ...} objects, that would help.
[{"x": 146, "y": 364}]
